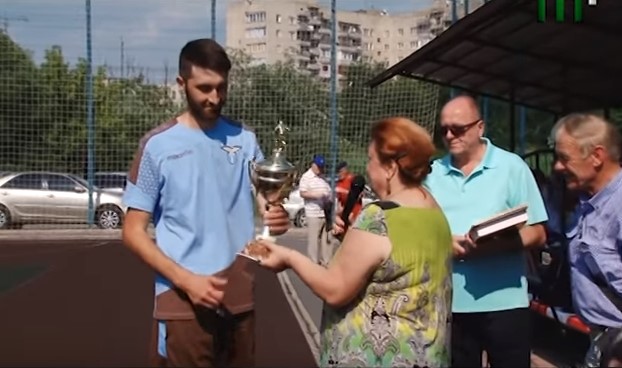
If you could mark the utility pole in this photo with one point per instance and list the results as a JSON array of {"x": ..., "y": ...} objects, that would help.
[
  {"x": 6, "y": 20},
  {"x": 122, "y": 57},
  {"x": 90, "y": 118},
  {"x": 213, "y": 21}
]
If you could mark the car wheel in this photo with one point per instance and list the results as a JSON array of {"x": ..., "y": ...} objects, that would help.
[
  {"x": 301, "y": 219},
  {"x": 109, "y": 217},
  {"x": 5, "y": 218}
]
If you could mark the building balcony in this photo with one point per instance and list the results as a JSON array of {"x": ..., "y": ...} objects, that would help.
[
  {"x": 303, "y": 56},
  {"x": 305, "y": 27},
  {"x": 351, "y": 49},
  {"x": 316, "y": 21}
]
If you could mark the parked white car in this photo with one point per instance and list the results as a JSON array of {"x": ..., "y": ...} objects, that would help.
[
  {"x": 294, "y": 205},
  {"x": 49, "y": 197}
]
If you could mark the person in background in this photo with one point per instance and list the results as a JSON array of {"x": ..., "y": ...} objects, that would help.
[
  {"x": 190, "y": 177},
  {"x": 588, "y": 153},
  {"x": 316, "y": 193},
  {"x": 344, "y": 183},
  {"x": 474, "y": 181},
  {"x": 387, "y": 291}
]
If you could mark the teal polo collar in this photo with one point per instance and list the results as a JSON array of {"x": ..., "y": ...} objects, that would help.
[{"x": 488, "y": 162}]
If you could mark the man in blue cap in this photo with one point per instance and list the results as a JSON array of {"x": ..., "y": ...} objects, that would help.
[{"x": 315, "y": 191}]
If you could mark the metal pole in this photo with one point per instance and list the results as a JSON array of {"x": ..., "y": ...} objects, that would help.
[
  {"x": 512, "y": 123},
  {"x": 485, "y": 113},
  {"x": 213, "y": 20},
  {"x": 522, "y": 129},
  {"x": 334, "y": 118},
  {"x": 90, "y": 126},
  {"x": 454, "y": 19}
]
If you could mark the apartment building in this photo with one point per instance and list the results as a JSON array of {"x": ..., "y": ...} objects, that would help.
[{"x": 300, "y": 31}]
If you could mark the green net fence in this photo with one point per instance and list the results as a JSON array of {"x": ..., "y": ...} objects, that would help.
[{"x": 44, "y": 121}]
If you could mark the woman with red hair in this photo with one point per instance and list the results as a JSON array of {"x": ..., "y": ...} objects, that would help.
[{"x": 387, "y": 290}]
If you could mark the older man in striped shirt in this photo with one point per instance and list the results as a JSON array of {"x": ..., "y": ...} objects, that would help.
[{"x": 588, "y": 154}]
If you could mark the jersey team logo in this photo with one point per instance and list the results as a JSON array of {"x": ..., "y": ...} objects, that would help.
[{"x": 231, "y": 152}]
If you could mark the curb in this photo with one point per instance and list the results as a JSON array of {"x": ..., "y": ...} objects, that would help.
[{"x": 311, "y": 332}]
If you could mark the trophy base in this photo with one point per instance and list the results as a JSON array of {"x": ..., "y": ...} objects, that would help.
[{"x": 265, "y": 235}]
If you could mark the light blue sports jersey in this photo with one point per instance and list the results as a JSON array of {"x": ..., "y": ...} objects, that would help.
[
  {"x": 501, "y": 181},
  {"x": 197, "y": 186}
]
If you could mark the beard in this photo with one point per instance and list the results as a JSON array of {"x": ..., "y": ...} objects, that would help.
[{"x": 203, "y": 113}]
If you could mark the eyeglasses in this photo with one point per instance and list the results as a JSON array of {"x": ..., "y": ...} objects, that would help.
[{"x": 457, "y": 129}]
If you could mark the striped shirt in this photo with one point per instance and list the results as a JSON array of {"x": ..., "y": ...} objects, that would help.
[
  {"x": 595, "y": 252},
  {"x": 310, "y": 182}
]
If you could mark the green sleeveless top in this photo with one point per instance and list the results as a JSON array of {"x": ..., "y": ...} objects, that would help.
[{"x": 402, "y": 317}]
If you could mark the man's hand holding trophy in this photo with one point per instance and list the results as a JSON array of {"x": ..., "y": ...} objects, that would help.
[{"x": 273, "y": 178}]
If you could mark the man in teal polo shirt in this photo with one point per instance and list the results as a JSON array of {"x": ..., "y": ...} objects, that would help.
[{"x": 474, "y": 181}]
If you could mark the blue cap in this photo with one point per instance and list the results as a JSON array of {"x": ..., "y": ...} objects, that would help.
[{"x": 319, "y": 160}]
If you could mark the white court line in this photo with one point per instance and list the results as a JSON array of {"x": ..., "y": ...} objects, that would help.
[{"x": 309, "y": 329}]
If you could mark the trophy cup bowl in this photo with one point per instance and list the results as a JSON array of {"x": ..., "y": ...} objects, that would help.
[{"x": 274, "y": 177}]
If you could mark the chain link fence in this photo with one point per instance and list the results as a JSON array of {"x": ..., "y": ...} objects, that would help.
[{"x": 44, "y": 151}]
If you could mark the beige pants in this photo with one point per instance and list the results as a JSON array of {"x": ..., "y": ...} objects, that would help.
[{"x": 318, "y": 246}]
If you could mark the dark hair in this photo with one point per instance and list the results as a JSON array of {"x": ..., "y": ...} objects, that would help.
[
  {"x": 205, "y": 53},
  {"x": 408, "y": 144}
]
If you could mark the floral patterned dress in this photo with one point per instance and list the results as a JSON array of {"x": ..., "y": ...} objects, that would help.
[{"x": 402, "y": 317}]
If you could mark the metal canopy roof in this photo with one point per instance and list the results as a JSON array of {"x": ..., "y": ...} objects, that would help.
[{"x": 501, "y": 50}]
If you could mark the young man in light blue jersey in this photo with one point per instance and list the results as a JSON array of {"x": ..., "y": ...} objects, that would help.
[
  {"x": 474, "y": 181},
  {"x": 191, "y": 176}
]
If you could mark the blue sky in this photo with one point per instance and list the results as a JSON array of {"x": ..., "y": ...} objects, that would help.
[{"x": 153, "y": 31}]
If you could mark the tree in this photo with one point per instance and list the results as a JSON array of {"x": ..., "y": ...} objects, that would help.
[
  {"x": 263, "y": 95},
  {"x": 18, "y": 92}
]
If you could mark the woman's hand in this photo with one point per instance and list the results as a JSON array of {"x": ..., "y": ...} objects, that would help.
[{"x": 277, "y": 259}]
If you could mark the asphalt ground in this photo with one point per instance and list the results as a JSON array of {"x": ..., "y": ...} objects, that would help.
[{"x": 79, "y": 298}]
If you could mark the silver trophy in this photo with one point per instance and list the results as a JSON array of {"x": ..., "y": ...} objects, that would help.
[{"x": 274, "y": 176}]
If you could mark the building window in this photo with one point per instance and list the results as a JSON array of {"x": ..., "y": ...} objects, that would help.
[
  {"x": 400, "y": 31},
  {"x": 279, "y": 19},
  {"x": 386, "y": 46},
  {"x": 278, "y": 33},
  {"x": 366, "y": 32},
  {"x": 257, "y": 47},
  {"x": 292, "y": 36},
  {"x": 387, "y": 34},
  {"x": 292, "y": 20},
  {"x": 256, "y": 17},
  {"x": 413, "y": 44},
  {"x": 400, "y": 45},
  {"x": 413, "y": 31},
  {"x": 258, "y": 32}
]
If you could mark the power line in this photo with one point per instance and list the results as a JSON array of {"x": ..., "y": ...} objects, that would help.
[{"x": 6, "y": 21}]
